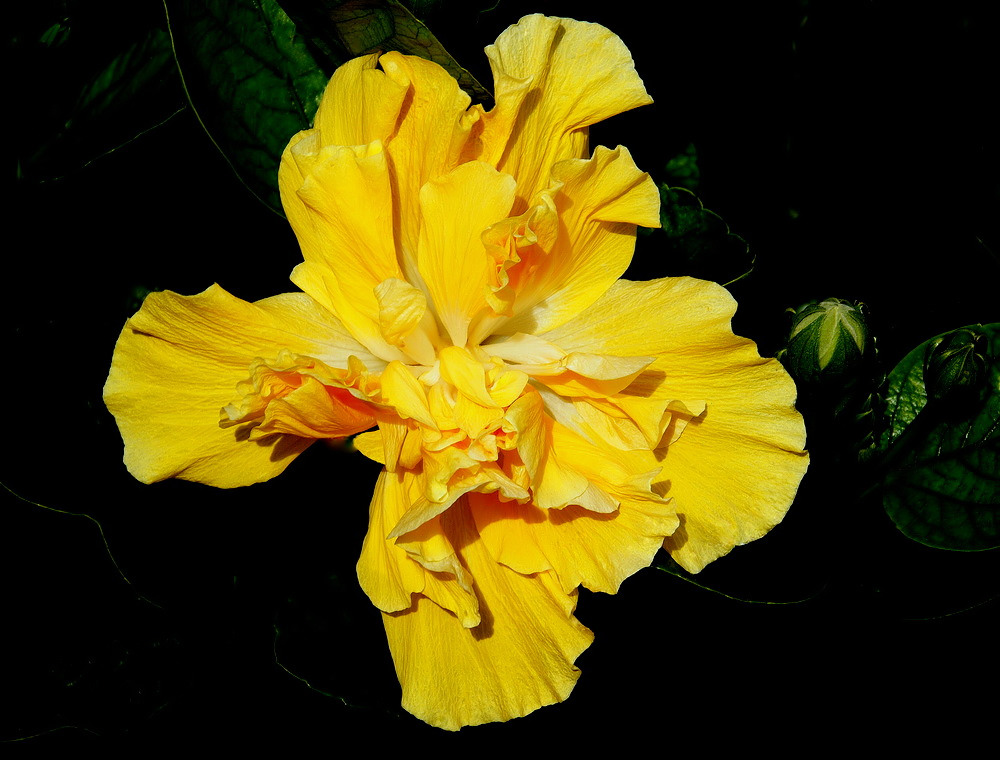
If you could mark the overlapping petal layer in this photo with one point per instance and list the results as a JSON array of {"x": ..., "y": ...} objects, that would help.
[
  {"x": 542, "y": 424},
  {"x": 518, "y": 658},
  {"x": 179, "y": 360},
  {"x": 734, "y": 471}
]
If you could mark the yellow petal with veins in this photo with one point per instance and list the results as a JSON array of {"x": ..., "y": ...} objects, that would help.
[
  {"x": 600, "y": 201},
  {"x": 427, "y": 142},
  {"x": 360, "y": 104},
  {"x": 401, "y": 308},
  {"x": 553, "y": 78},
  {"x": 555, "y": 483},
  {"x": 455, "y": 209},
  {"x": 519, "y": 658},
  {"x": 344, "y": 223},
  {"x": 735, "y": 469},
  {"x": 402, "y": 391},
  {"x": 177, "y": 363},
  {"x": 460, "y": 369},
  {"x": 386, "y": 573},
  {"x": 580, "y": 546}
]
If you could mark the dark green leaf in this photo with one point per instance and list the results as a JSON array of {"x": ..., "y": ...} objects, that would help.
[
  {"x": 109, "y": 103},
  {"x": 939, "y": 463},
  {"x": 141, "y": 64},
  {"x": 364, "y": 26},
  {"x": 698, "y": 242},
  {"x": 251, "y": 79}
]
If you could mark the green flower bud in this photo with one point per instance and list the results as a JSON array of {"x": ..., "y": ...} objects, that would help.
[
  {"x": 955, "y": 366},
  {"x": 827, "y": 341}
]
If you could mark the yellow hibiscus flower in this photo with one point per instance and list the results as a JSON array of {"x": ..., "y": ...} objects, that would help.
[{"x": 542, "y": 423}]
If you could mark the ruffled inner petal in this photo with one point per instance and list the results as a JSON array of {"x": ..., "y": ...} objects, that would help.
[
  {"x": 599, "y": 201},
  {"x": 580, "y": 546}
]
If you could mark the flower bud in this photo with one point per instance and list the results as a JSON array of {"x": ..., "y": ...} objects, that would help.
[
  {"x": 955, "y": 366},
  {"x": 827, "y": 340}
]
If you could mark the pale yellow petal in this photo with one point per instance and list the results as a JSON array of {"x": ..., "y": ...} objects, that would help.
[
  {"x": 580, "y": 546},
  {"x": 525, "y": 349},
  {"x": 455, "y": 210},
  {"x": 555, "y": 482},
  {"x": 599, "y": 202},
  {"x": 390, "y": 572},
  {"x": 342, "y": 214},
  {"x": 319, "y": 281},
  {"x": 428, "y": 140},
  {"x": 552, "y": 79},
  {"x": 519, "y": 658},
  {"x": 386, "y": 573},
  {"x": 734, "y": 470},
  {"x": 178, "y": 362},
  {"x": 360, "y": 104}
]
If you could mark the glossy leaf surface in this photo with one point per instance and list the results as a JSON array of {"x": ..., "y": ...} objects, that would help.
[{"x": 940, "y": 461}]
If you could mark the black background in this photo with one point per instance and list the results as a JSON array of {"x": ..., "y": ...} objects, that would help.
[{"x": 848, "y": 142}]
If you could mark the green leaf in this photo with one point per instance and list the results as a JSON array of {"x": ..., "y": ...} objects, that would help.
[
  {"x": 251, "y": 79},
  {"x": 364, "y": 26},
  {"x": 110, "y": 101},
  {"x": 939, "y": 462},
  {"x": 698, "y": 241},
  {"x": 128, "y": 74}
]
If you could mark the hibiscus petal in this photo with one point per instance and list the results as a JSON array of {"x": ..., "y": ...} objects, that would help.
[
  {"x": 386, "y": 574},
  {"x": 308, "y": 412},
  {"x": 734, "y": 470},
  {"x": 677, "y": 314},
  {"x": 581, "y": 547},
  {"x": 357, "y": 114},
  {"x": 427, "y": 142},
  {"x": 552, "y": 79},
  {"x": 455, "y": 210},
  {"x": 178, "y": 362},
  {"x": 391, "y": 572},
  {"x": 554, "y": 483},
  {"x": 341, "y": 212},
  {"x": 599, "y": 202},
  {"x": 519, "y": 658},
  {"x": 360, "y": 104}
]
